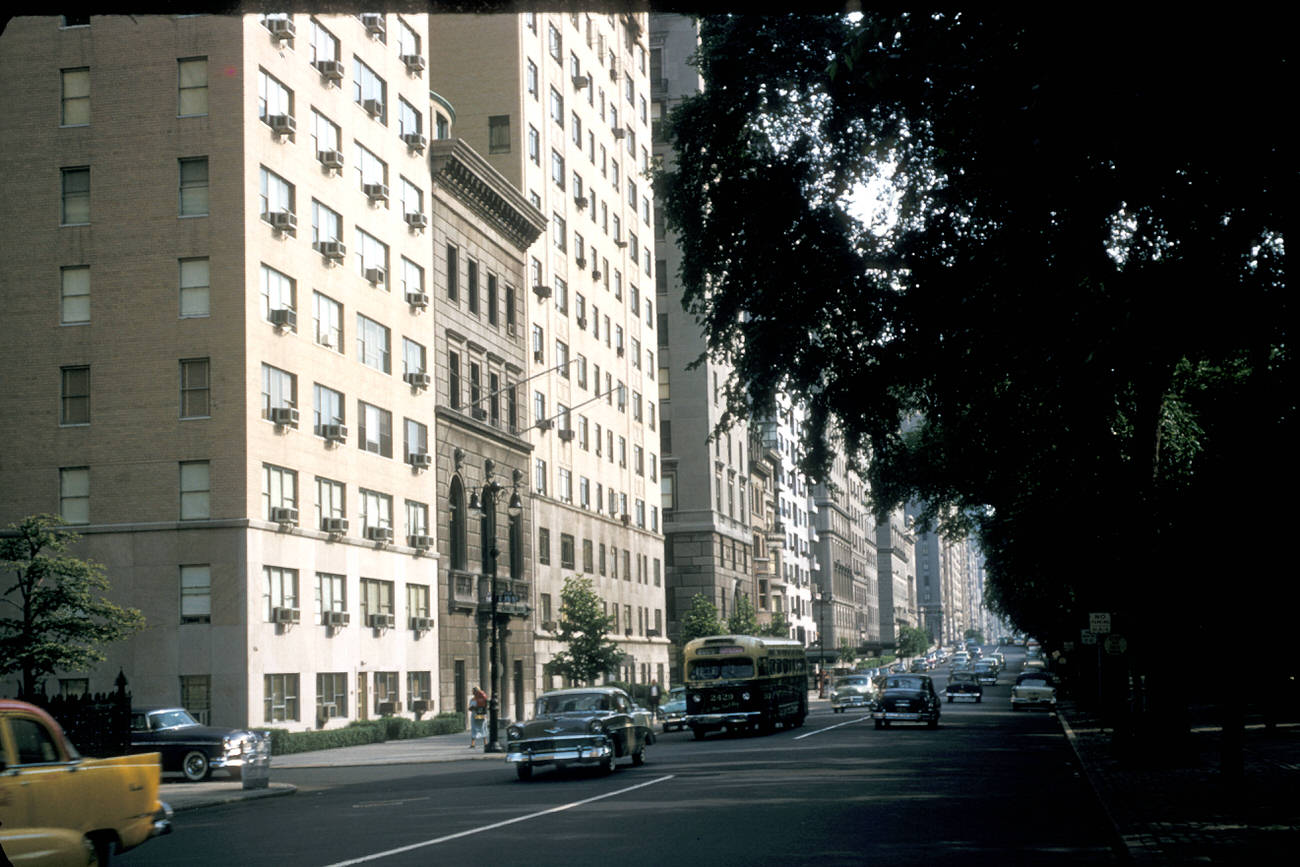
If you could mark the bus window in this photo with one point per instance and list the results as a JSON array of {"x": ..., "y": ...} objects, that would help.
[{"x": 732, "y": 669}]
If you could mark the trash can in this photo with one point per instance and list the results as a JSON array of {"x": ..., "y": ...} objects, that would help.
[{"x": 257, "y": 766}]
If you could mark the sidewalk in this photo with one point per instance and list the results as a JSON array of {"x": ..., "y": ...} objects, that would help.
[{"x": 1186, "y": 813}]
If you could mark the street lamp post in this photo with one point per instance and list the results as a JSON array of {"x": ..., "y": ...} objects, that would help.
[{"x": 489, "y": 512}]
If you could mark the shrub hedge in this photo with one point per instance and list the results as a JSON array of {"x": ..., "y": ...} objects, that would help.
[{"x": 388, "y": 728}]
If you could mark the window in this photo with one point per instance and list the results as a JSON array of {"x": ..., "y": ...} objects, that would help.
[
  {"x": 371, "y": 170},
  {"x": 273, "y": 98},
  {"x": 324, "y": 45},
  {"x": 192, "y": 86},
  {"x": 372, "y": 254},
  {"x": 74, "y": 295},
  {"x": 566, "y": 551},
  {"x": 195, "y": 388},
  {"x": 442, "y": 126},
  {"x": 373, "y": 344},
  {"x": 494, "y": 399},
  {"x": 279, "y": 489},
  {"x": 193, "y": 290},
  {"x": 530, "y": 79},
  {"x": 326, "y": 223},
  {"x": 471, "y": 285},
  {"x": 327, "y": 314},
  {"x": 562, "y": 358},
  {"x": 281, "y": 697},
  {"x": 543, "y": 546},
  {"x": 75, "y": 395},
  {"x": 327, "y": 408},
  {"x": 417, "y": 438},
  {"x": 417, "y": 518},
  {"x": 376, "y": 597},
  {"x": 557, "y": 169},
  {"x": 636, "y": 357},
  {"x": 76, "y": 196},
  {"x": 539, "y": 406},
  {"x": 386, "y": 690},
  {"x": 499, "y": 134},
  {"x": 279, "y": 389},
  {"x": 279, "y": 292},
  {"x": 331, "y": 694},
  {"x": 324, "y": 133},
  {"x": 376, "y": 509},
  {"x": 375, "y": 429},
  {"x": 277, "y": 194},
  {"x": 492, "y": 301},
  {"x": 539, "y": 469},
  {"x": 196, "y": 593},
  {"x": 408, "y": 41},
  {"x": 560, "y": 232},
  {"x": 584, "y": 500},
  {"x": 330, "y": 499},
  {"x": 412, "y": 198},
  {"x": 74, "y": 109},
  {"x": 534, "y": 145},
  {"x": 557, "y": 108},
  {"x": 583, "y": 431},
  {"x": 74, "y": 494},
  {"x": 453, "y": 272},
  {"x": 566, "y": 485},
  {"x": 561, "y": 296},
  {"x": 196, "y": 490},
  {"x": 413, "y": 356},
  {"x": 453, "y": 380},
  {"x": 555, "y": 43},
  {"x": 581, "y": 365},
  {"x": 575, "y": 129},
  {"x": 369, "y": 90}
]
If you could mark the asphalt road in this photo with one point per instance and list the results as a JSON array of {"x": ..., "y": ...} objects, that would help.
[{"x": 988, "y": 786}]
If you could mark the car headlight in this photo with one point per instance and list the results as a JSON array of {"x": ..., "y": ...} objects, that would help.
[
  {"x": 514, "y": 733},
  {"x": 744, "y": 696},
  {"x": 595, "y": 727}
]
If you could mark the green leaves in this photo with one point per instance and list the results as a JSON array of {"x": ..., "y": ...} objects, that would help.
[
  {"x": 701, "y": 620},
  {"x": 583, "y": 628}
]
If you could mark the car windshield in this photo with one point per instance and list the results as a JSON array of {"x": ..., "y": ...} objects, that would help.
[
  {"x": 904, "y": 683},
  {"x": 732, "y": 669},
  {"x": 169, "y": 719},
  {"x": 1035, "y": 678},
  {"x": 574, "y": 703},
  {"x": 962, "y": 677},
  {"x": 852, "y": 681}
]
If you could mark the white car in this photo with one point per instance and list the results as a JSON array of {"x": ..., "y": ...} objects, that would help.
[{"x": 1034, "y": 689}]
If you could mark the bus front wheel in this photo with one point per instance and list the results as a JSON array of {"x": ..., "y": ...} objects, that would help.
[{"x": 698, "y": 732}]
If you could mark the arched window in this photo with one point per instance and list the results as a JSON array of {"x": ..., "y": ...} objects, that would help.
[{"x": 459, "y": 530}]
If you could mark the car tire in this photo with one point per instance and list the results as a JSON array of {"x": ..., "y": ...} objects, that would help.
[
  {"x": 610, "y": 764},
  {"x": 195, "y": 766},
  {"x": 934, "y": 722},
  {"x": 949, "y": 699},
  {"x": 638, "y": 757},
  {"x": 978, "y": 699},
  {"x": 698, "y": 732},
  {"x": 524, "y": 772}
]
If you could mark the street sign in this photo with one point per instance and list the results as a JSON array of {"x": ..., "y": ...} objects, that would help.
[
  {"x": 1087, "y": 636},
  {"x": 1116, "y": 644},
  {"x": 1067, "y": 646},
  {"x": 1099, "y": 622}
]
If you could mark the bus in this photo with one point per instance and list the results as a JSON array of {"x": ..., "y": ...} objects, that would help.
[{"x": 744, "y": 683}]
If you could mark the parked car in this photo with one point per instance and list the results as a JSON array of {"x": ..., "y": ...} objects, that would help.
[
  {"x": 590, "y": 726},
  {"x": 673, "y": 713},
  {"x": 985, "y": 673},
  {"x": 1034, "y": 689},
  {"x": 855, "y": 690},
  {"x": 906, "y": 698},
  {"x": 1037, "y": 663},
  {"x": 57, "y": 807},
  {"x": 190, "y": 747},
  {"x": 963, "y": 686}
]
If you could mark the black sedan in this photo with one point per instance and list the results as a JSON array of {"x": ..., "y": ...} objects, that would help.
[
  {"x": 592, "y": 726},
  {"x": 963, "y": 686},
  {"x": 906, "y": 698},
  {"x": 189, "y": 747}
]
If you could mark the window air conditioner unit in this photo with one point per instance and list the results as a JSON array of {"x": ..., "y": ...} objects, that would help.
[
  {"x": 330, "y": 159},
  {"x": 625, "y": 518},
  {"x": 381, "y": 621},
  {"x": 335, "y": 433},
  {"x": 415, "y": 141},
  {"x": 582, "y": 322},
  {"x": 544, "y": 424},
  {"x": 330, "y": 70},
  {"x": 620, "y": 352},
  {"x": 414, "y": 62},
  {"x": 417, "y": 221},
  {"x": 595, "y": 275},
  {"x": 613, "y": 72},
  {"x": 281, "y": 28},
  {"x": 548, "y": 625},
  {"x": 420, "y": 460},
  {"x": 334, "y": 525},
  {"x": 374, "y": 23},
  {"x": 620, "y": 243},
  {"x": 379, "y": 534},
  {"x": 580, "y": 201},
  {"x": 581, "y": 263},
  {"x": 421, "y": 624},
  {"x": 566, "y": 434},
  {"x": 284, "y": 515},
  {"x": 539, "y": 356},
  {"x": 283, "y": 221},
  {"x": 285, "y": 615},
  {"x": 284, "y": 416},
  {"x": 542, "y": 292},
  {"x": 420, "y": 541},
  {"x": 373, "y": 107},
  {"x": 375, "y": 276},
  {"x": 386, "y": 708},
  {"x": 334, "y": 250},
  {"x": 417, "y": 299},
  {"x": 418, "y": 379},
  {"x": 282, "y": 124},
  {"x": 479, "y": 413},
  {"x": 421, "y": 705},
  {"x": 284, "y": 317},
  {"x": 337, "y": 618},
  {"x": 618, "y": 132},
  {"x": 375, "y": 192}
]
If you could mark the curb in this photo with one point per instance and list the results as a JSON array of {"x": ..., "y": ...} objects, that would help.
[
  {"x": 274, "y": 790},
  {"x": 1120, "y": 843}
]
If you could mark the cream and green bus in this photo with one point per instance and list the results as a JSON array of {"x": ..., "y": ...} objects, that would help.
[{"x": 745, "y": 683}]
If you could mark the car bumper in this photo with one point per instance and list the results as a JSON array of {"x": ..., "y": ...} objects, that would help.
[
  {"x": 162, "y": 820},
  {"x": 577, "y": 754},
  {"x": 903, "y": 715},
  {"x": 964, "y": 696},
  {"x": 675, "y": 721},
  {"x": 1019, "y": 701},
  {"x": 851, "y": 701},
  {"x": 714, "y": 720}
]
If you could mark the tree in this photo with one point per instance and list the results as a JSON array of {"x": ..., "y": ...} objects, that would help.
[
  {"x": 743, "y": 620},
  {"x": 975, "y": 634},
  {"x": 583, "y": 628},
  {"x": 846, "y": 653},
  {"x": 1032, "y": 339},
  {"x": 57, "y": 616},
  {"x": 700, "y": 620},
  {"x": 777, "y": 627},
  {"x": 912, "y": 640}
]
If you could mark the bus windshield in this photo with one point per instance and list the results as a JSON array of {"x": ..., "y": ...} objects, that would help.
[{"x": 732, "y": 669}]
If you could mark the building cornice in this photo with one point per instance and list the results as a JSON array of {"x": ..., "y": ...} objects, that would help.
[
  {"x": 457, "y": 419},
  {"x": 472, "y": 180}
]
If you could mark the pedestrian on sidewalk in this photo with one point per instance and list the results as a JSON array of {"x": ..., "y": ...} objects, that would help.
[
  {"x": 478, "y": 708},
  {"x": 654, "y": 699}
]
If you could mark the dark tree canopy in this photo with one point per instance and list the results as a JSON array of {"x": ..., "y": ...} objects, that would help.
[{"x": 1069, "y": 337}]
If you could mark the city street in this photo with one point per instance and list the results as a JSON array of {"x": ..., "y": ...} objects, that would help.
[{"x": 988, "y": 786}]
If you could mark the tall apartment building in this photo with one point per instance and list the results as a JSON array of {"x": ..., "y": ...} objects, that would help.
[
  {"x": 707, "y": 530},
  {"x": 219, "y": 344},
  {"x": 797, "y": 510},
  {"x": 896, "y": 547},
  {"x": 866, "y": 566},
  {"x": 559, "y": 105},
  {"x": 769, "y": 587}
]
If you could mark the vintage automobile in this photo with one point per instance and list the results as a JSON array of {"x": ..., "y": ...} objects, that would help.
[
  {"x": 587, "y": 726},
  {"x": 1034, "y": 689},
  {"x": 57, "y": 807},
  {"x": 963, "y": 686},
  {"x": 189, "y": 747},
  {"x": 919, "y": 666},
  {"x": 959, "y": 659},
  {"x": 673, "y": 713},
  {"x": 906, "y": 698},
  {"x": 855, "y": 690},
  {"x": 986, "y": 672}
]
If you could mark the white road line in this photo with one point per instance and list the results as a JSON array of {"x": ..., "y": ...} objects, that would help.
[
  {"x": 376, "y": 856},
  {"x": 830, "y": 728}
]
